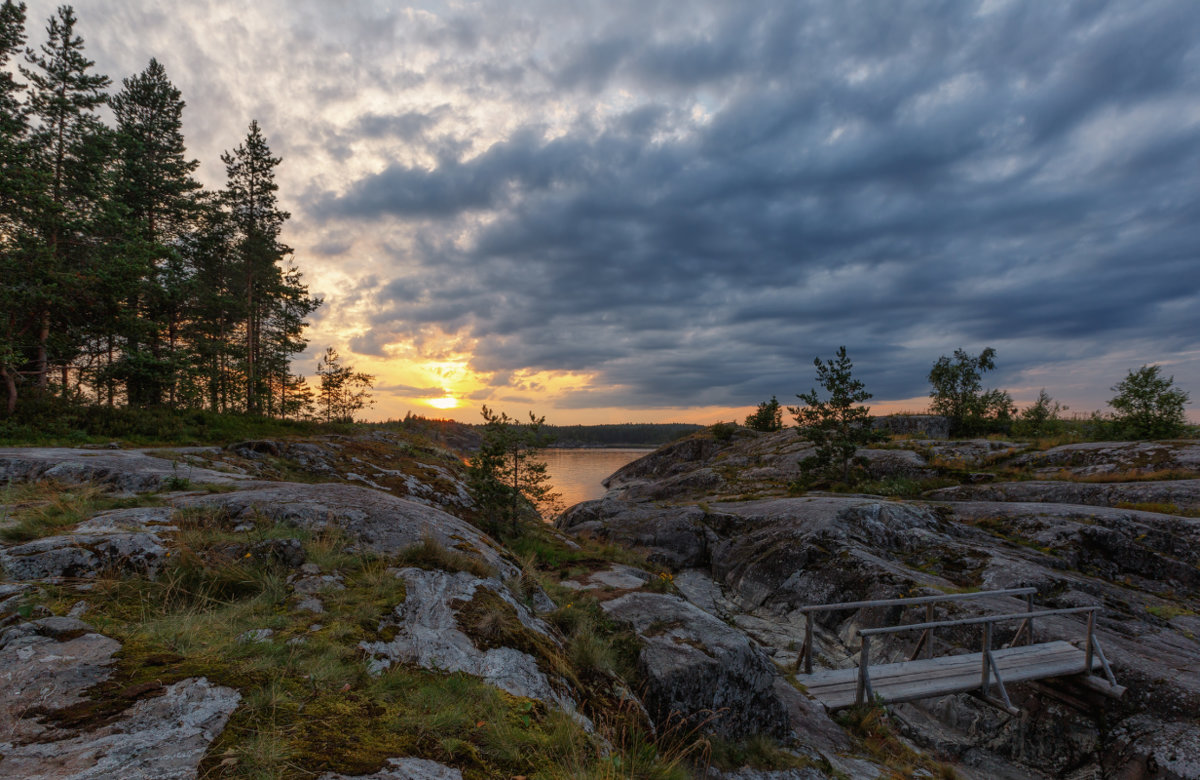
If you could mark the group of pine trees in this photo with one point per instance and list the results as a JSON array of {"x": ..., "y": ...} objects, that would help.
[{"x": 122, "y": 280}]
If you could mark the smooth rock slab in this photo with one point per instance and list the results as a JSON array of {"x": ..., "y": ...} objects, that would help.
[
  {"x": 83, "y": 556},
  {"x": 427, "y": 634},
  {"x": 379, "y": 521},
  {"x": 153, "y": 519},
  {"x": 1184, "y": 493},
  {"x": 162, "y": 738},
  {"x": 135, "y": 471},
  {"x": 37, "y": 670},
  {"x": 405, "y": 769}
]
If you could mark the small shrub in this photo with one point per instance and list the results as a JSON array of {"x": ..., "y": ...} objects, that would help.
[
  {"x": 767, "y": 418},
  {"x": 723, "y": 431},
  {"x": 1042, "y": 418},
  {"x": 432, "y": 554}
]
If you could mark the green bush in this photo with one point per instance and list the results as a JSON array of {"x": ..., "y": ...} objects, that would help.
[{"x": 1148, "y": 406}]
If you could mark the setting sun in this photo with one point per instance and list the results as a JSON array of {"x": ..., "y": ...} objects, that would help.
[{"x": 448, "y": 402}]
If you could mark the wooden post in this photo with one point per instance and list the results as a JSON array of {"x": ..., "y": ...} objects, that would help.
[
  {"x": 808, "y": 642},
  {"x": 929, "y": 635},
  {"x": 1087, "y": 652},
  {"x": 985, "y": 682},
  {"x": 864, "y": 661},
  {"x": 1029, "y": 621}
]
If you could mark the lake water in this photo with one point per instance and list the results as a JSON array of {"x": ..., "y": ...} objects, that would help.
[{"x": 577, "y": 473}]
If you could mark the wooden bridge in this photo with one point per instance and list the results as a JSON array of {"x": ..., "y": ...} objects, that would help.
[{"x": 981, "y": 672}]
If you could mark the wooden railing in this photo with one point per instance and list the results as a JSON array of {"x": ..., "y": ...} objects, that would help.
[{"x": 926, "y": 640}]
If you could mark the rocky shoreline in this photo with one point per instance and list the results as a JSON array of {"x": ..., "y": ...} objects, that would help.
[{"x": 346, "y": 566}]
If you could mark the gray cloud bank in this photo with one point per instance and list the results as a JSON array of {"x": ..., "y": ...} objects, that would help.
[
  {"x": 902, "y": 179},
  {"x": 693, "y": 201}
]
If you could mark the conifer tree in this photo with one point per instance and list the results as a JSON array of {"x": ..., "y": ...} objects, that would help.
[
  {"x": 837, "y": 426},
  {"x": 71, "y": 148},
  {"x": 505, "y": 477},
  {"x": 13, "y": 179},
  {"x": 342, "y": 391},
  {"x": 212, "y": 307},
  {"x": 156, "y": 188},
  {"x": 257, "y": 222}
]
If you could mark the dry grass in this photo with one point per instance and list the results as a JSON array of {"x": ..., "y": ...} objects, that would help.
[
  {"x": 1128, "y": 475},
  {"x": 32, "y": 510}
]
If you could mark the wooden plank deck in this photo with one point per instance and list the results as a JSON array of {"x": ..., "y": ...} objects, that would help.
[{"x": 910, "y": 680}]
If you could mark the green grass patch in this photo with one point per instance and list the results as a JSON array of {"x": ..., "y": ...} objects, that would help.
[
  {"x": 309, "y": 705},
  {"x": 32, "y": 510},
  {"x": 432, "y": 554},
  {"x": 1169, "y": 611}
]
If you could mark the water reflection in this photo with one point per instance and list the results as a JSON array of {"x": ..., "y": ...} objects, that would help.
[{"x": 577, "y": 474}]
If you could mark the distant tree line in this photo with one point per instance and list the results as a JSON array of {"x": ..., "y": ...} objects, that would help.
[
  {"x": 122, "y": 280},
  {"x": 1147, "y": 405},
  {"x": 615, "y": 435}
]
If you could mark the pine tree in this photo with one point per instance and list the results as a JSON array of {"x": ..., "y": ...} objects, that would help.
[
  {"x": 283, "y": 337},
  {"x": 156, "y": 188},
  {"x": 212, "y": 307},
  {"x": 768, "y": 417},
  {"x": 257, "y": 222},
  {"x": 14, "y": 174},
  {"x": 342, "y": 391},
  {"x": 505, "y": 477},
  {"x": 838, "y": 427},
  {"x": 71, "y": 148}
]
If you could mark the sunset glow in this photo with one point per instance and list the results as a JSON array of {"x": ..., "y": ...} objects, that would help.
[{"x": 448, "y": 402}]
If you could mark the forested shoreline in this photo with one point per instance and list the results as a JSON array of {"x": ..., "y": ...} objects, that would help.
[{"x": 124, "y": 281}]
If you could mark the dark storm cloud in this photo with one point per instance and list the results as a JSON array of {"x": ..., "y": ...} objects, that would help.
[{"x": 782, "y": 179}]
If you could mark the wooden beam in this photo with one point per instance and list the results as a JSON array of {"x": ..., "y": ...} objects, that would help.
[
  {"x": 974, "y": 621},
  {"x": 914, "y": 600}
]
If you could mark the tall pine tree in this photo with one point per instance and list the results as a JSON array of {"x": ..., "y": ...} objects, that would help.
[
  {"x": 273, "y": 304},
  {"x": 71, "y": 148},
  {"x": 13, "y": 181},
  {"x": 155, "y": 186}
]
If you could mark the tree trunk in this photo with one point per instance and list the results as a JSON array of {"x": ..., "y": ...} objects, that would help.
[
  {"x": 43, "y": 366},
  {"x": 10, "y": 383}
]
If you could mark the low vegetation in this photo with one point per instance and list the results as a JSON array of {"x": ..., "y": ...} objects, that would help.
[
  {"x": 309, "y": 706},
  {"x": 31, "y": 511}
]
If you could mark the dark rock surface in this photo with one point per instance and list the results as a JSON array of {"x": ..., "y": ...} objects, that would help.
[
  {"x": 765, "y": 558},
  {"x": 697, "y": 666}
]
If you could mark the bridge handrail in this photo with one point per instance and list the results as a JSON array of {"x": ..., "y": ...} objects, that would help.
[
  {"x": 915, "y": 600},
  {"x": 971, "y": 621},
  {"x": 805, "y": 657}
]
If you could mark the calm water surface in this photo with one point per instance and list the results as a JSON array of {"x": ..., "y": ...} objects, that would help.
[{"x": 577, "y": 473}]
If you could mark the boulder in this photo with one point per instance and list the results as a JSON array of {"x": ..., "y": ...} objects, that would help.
[
  {"x": 700, "y": 670},
  {"x": 83, "y": 556},
  {"x": 676, "y": 537}
]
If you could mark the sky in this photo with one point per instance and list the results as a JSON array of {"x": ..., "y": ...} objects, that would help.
[{"x": 661, "y": 211}]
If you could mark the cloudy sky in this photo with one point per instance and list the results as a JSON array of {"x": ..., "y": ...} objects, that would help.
[{"x": 646, "y": 210}]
